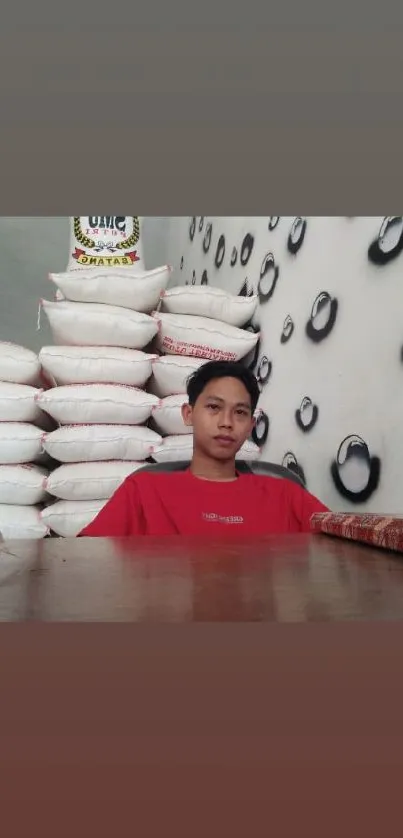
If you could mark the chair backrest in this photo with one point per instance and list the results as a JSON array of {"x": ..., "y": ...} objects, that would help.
[{"x": 243, "y": 466}]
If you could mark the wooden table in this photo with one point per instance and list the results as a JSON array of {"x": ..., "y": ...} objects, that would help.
[
  {"x": 286, "y": 579},
  {"x": 175, "y": 687}
]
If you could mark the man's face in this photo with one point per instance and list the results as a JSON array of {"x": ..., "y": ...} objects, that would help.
[{"x": 221, "y": 418}]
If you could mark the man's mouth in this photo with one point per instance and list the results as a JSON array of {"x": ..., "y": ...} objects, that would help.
[{"x": 224, "y": 440}]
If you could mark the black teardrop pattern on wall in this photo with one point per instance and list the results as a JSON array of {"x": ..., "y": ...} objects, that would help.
[
  {"x": 201, "y": 223},
  {"x": 273, "y": 221},
  {"x": 355, "y": 473},
  {"x": 246, "y": 290},
  {"x": 297, "y": 235},
  {"x": 234, "y": 257},
  {"x": 261, "y": 429},
  {"x": 192, "y": 229},
  {"x": 182, "y": 263},
  {"x": 264, "y": 370},
  {"x": 306, "y": 416},
  {"x": 246, "y": 249},
  {"x": 290, "y": 461},
  {"x": 220, "y": 252},
  {"x": 204, "y": 279},
  {"x": 389, "y": 243},
  {"x": 269, "y": 273},
  {"x": 207, "y": 237},
  {"x": 194, "y": 278},
  {"x": 323, "y": 317},
  {"x": 288, "y": 329}
]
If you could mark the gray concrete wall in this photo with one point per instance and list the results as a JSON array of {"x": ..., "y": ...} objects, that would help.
[{"x": 29, "y": 249}]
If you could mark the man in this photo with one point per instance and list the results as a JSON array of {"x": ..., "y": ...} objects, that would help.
[{"x": 210, "y": 498}]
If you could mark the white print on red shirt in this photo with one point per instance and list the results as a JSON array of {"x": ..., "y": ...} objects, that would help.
[{"x": 221, "y": 519}]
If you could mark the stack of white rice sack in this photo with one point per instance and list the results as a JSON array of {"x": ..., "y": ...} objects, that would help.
[
  {"x": 22, "y": 477},
  {"x": 196, "y": 324},
  {"x": 99, "y": 364}
]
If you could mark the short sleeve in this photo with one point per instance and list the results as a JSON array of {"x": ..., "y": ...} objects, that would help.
[
  {"x": 304, "y": 505},
  {"x": 121, "y": 516}
]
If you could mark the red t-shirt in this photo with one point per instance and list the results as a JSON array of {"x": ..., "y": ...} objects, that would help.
[{"x": 178, "y": 503}]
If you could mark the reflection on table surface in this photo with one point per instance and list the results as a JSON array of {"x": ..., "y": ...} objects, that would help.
[{"x": 294, "y": 578}]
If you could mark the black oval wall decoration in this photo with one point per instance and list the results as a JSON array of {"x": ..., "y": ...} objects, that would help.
[
  {"x": 192, "y": 229},
  {"x": 182, "y": 263},
  {"x": 389, "y": 243},
  {"x": 234, "y": 257},
  {"x": 207, "y": 237},
  {"x": 264, "y": 370},
  {"x": 354, "y": 452},
  {"x": 201, "y": 223},
  {"x": 261, "y": 429},
  {"x": 290, "y": 461},
  {"x": 220, "y": 252},
  {"x": 297, "y": 235},
  {"x": 307, "y": 415},
  {"x": 204, "y": 279},
  {"x": 273, "y": 221},
  {"x": 246, "y": 290},
  {"x": 319, "y": 328},
  {"x": 288, "y": 328},
  {"x": 194, "y": 278},
  {"x": 246, "y": 249},
  {"x": 269, "y": 273}
]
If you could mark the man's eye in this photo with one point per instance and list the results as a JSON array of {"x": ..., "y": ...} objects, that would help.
[
  {"x": 213, "y": 406},
  {"x": 242, "y": 412}
]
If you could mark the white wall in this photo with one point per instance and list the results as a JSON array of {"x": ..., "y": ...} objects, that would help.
[
  {"x": 354, "y": 375},
  {"x": 32, "y": 247}
]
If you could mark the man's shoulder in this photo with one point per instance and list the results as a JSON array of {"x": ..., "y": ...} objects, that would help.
[{"x": 269, "y": 483}]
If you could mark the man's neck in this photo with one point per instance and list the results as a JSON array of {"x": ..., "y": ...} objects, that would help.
[{"x": 208, "y": 469}]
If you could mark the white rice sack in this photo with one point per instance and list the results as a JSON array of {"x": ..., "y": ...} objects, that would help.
[
  {"x": 181, "y": 448},
  {"x": 19, "y": 522},
  {"x": 18, "y": 365},
  {"x": 20, "y": 442},
  {"x": 184, "y": 334},
  {"x": 167, "y": 416},
  {"x": 68, "y": 517},
  {"x": 96, "y": 364},
  {"x": 23, "y": 485},
  {"x": 171, "y": 372},
  {"x": 18, "y": 403},
  {"x": 114, "y": 286},
  {"x": 88, "y": 443},
  {"x": 106, "y": 404},
  {"x": 89, "y": 481},
  {"x": 106, "y": 241},
  {"x": 205, "y": 301},
  {"x": 95, "y": 324}
]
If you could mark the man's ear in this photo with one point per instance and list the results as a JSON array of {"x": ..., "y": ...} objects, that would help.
[{"x": 187, "y": 414}]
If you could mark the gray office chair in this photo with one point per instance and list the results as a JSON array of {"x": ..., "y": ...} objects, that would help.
[{"x": 243, "y": 466}]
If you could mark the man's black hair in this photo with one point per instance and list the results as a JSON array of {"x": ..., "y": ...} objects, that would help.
[{"x": 222, "y": 369}]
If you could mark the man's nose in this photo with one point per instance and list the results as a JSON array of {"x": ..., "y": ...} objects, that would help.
[{"x": 226, "y": 419}]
